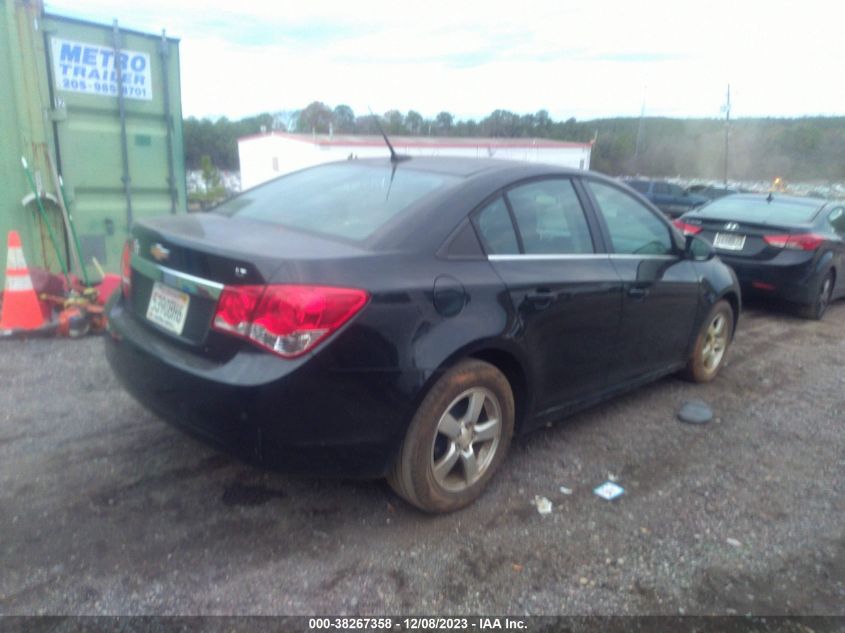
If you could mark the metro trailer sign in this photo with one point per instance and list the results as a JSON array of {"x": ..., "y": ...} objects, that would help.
[{"x": 90, "y": 69}]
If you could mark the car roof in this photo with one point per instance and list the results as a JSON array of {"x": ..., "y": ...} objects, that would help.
[{"x": 466, "y": 167}]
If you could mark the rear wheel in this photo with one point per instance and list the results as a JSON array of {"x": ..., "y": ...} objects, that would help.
[
  {"x": 457, "y": 439},
  {"x": 824, "y": 293},
  {"x": 712, "y": 344}
]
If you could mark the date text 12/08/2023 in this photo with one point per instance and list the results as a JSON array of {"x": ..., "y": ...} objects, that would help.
[{"x": 478, "y": 623}]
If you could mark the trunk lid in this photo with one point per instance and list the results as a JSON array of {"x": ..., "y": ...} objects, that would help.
[
  {"x": 741, "y": 239},
  {"x": 197, "y": 255}
]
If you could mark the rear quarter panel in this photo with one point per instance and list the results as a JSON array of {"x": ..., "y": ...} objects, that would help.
[
  {"x": 718, "y": 281},
  {"x": 401, "y": 334}
]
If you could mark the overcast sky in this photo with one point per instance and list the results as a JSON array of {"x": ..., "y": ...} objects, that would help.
[{"x": 585, "y": 60}]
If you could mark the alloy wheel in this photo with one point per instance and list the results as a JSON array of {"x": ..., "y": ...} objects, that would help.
[
  {"x": 824, "y": 296},
  {"x": 715, "y": 343},
  {"x": 467, "y": 438}
]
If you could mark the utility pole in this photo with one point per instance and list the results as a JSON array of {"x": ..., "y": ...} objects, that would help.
[
  {"x": 639, "y": 135},
  {"x": 727, "y": 132}
]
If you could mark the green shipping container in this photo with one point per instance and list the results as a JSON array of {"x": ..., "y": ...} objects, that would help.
[{"x": 100, "y": 106}]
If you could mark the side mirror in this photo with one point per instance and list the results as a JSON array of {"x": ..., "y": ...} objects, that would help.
[{"x": 698, "y": 250}]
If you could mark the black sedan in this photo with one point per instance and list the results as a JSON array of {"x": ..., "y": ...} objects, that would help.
[
  {"x": 783, "y": 246},
  {"x": 404, "y": 319},
  {"x": 710, "y": 192}
]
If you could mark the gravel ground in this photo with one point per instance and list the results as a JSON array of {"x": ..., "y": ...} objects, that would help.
[{"x": 106, "y": 510}]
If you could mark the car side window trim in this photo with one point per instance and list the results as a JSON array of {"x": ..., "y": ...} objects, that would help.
[
  {"x": 587, "y": 208},
  {"x": 601, "y": 243},
  {"x": 514, "y": 224},
  {"x": 527, "y": 257}
]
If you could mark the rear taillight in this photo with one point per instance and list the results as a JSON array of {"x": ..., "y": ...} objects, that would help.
[
  {"x": 797, "y": 242},
  {"x": 126, "y": 268},
  {"x": 762, "y": 285},
  {"x": 288, "y": 320},
  {"x": 235, "y": 309},
  {"x": 686, "y": 229}
]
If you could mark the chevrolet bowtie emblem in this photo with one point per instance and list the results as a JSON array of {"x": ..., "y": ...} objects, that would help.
[{"x": 159, "y": 253}]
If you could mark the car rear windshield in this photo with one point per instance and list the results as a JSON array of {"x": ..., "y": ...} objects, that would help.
[
  {"x": 349, "y": 201},
  {"x": 759, "y": 210}
]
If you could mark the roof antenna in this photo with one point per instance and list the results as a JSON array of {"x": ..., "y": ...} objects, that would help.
[
  {"x": 770, "y": 197},
  {"x": 394, "y": 157}
]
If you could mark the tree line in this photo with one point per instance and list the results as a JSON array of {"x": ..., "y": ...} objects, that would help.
[{"x": 810, "y": 148}]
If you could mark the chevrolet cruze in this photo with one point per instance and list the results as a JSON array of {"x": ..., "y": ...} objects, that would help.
[{"x": 405, "y": 318}]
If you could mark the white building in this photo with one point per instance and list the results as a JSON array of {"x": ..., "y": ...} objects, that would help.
[{"x": 265, "y": 156}]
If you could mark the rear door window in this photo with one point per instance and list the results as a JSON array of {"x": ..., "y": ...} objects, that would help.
[
  {"x": 633, "y": 228},
  {"x": 496, "y": 228},
  {"x": 550, "y": 218}
]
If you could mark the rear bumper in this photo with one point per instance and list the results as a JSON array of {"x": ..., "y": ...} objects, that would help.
[
  {"x": 305, "y": 416},
  {"x": 792, "y": 281}
]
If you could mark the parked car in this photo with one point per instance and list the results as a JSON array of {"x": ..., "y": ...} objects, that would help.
[
  {"x": 710, "y": 192},
  {"x": 405, "y": 319},
  {"x": 669, "y": 198},
  {"x": 785, "y": 246}
]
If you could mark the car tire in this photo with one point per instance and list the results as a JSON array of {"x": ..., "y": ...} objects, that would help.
[
  {"x": 711, "y": 344},
  {"x": 457, "y": 439},
  {"x": 824, "y": 294}
]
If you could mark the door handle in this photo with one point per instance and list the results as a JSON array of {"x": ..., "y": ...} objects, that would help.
[
  {"x": 540, "y": 299},
  {"x": 638, "y": 292}
]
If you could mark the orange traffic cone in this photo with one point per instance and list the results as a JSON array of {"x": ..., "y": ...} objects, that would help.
[{"x": 21, "y": 308}]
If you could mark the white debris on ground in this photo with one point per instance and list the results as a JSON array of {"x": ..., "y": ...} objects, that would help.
[
  {"x": 544, "y": 506},
  {"x": 609, "y": 490},
  {"x": 819, "y": 190}
]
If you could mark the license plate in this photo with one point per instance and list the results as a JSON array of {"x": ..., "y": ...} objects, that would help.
[
  {"x": 729, "y": 241},
  {"x": 168, "y": 308}
]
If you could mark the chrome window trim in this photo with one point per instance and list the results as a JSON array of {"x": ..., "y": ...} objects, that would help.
[
  {"x": 534, "y": 257},
  {"x": 632, "y": 256},
  {"x": 551, "y": 257},
  {"x": 182, "y": 281}
]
